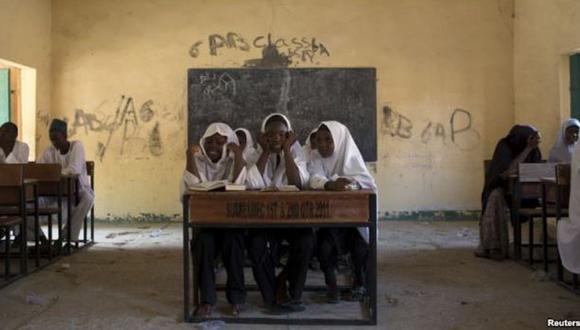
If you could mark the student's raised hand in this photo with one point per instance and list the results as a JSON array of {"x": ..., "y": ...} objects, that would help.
[
  {"x": 263, "y": 142},
  {"x": 534, "y": 140},
  {"x": 190, "y": 158},
  {"x": 290, "y": 140}
]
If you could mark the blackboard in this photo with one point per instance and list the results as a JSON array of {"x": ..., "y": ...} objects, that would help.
[{"x": 244, "y": 97}]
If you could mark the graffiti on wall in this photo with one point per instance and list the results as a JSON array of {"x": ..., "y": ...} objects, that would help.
[
  {"x": 132, "y": 127},
  {"x": 125, "y": 128},
  {"x": 296, "y": 49},
  {"x": 458, "y": 131}
]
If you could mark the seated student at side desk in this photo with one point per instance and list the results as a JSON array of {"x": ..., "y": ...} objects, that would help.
[
  {"x": 569, "y": 229},
  {"x": 212, "y": 160},
  {"x": 71, "y": 156},
  {"x": 11, "y": 150},
  {"x": 567, "y": 138},
  {"x": 336, "y": 165},
  {"x": 281, "y": 162},
  {"x": 519, "y": 146}
]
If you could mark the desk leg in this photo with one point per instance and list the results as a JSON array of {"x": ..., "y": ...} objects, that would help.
[
  {"x": 544, "y": 227},
  {"x": 37, "y": 228},
  {"x": 59, "y": 221},
  {"x": 69, "y": 215},
  {"x": 517, "y": 230},
  {"x": 23, "y": 235},
  {"x": 558, "y": 216},
  {"x": 186, "y": 279},
  {"x": 373, "y": 258},
  {"x": 93, "y": 224},
  {"x": 85, "y": 229},
  {"x": 77, "y": 200}
]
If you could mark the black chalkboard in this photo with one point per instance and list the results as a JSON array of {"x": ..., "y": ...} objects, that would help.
[{"x": 244, "y": 97}]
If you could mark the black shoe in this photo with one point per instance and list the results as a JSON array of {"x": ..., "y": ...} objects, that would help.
[
  {"x": 281, "y": 309},
  {"x": 358, "y": 293},
  {"x": 332, "y": 296},
  {"x": 295, "y": 305}
]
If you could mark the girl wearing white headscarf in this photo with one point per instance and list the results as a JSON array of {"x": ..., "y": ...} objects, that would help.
[
  {"x": 281, "y": 162},
  {"x": 310, "y": 144},
  {"x": 275, "y": 153},
  {"x": 250, "y": 153},
  {"x": 337, "y": 164},
  {"x": 210, "y": 161},
  {"x": 569, "y": 229},
  {"x": 567, "y": 137}
]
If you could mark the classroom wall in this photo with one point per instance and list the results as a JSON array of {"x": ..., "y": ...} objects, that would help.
[
  {"x": 25, "y": 42},
  {"x": 546, "y": 33},
  {"x": 444, "y": 89}
]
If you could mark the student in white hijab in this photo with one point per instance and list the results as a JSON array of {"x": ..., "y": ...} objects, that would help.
[
  {"x": 247, "y": 144},
  {"x": 281, "y": 162},
  {"x": 569, "y": 229},
  {"x": 11, "y": 150},
  {"x": 567, "y": 138},
  {"x": 310, "y": 144},
  {"x": 71, "y": 156},
  {"x": 337, "y": 165},
  {"x": 217, "y": 157}
]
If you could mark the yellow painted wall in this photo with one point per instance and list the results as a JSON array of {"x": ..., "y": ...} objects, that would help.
[
  {"x": 25, "y": 39},
  {"x": 546, "y": 33},
  {"x": 432, "y": 57}
]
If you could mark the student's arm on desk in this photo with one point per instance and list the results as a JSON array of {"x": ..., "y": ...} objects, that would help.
[
  {"x": 254, "y": 179},
  {"x": 317, "y": 177}
]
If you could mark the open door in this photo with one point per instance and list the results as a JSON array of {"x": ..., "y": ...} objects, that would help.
[{"x": 5, "y": 95}]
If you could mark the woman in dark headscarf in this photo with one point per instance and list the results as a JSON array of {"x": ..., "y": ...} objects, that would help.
[{"x": 519, "y": 146}]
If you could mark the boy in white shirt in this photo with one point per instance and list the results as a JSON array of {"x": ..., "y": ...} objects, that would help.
[{"x": 11, "y": 150}]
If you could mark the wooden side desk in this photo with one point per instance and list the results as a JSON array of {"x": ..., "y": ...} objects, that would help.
[{"x": 254, "y": 209}]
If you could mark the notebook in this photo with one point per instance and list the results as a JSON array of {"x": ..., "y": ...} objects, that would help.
[{"x": 217, "y": 185}]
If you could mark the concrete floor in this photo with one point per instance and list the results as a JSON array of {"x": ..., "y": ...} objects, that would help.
[{"x": 428, "y": 279}]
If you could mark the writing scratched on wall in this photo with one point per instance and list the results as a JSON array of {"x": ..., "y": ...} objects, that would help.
[
  {"x": 458, "y": 131},
  {"x": 297, "y": 49},
  {"x": 278, "y": 210},
  {"x": 125, "y": 126}
]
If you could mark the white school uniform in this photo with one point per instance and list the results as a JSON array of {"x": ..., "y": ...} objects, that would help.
[
  {"x": 18, "y": 155},
  {"x": 307, "y": 147},
  {"x": 569, "y": 229},
  {"x": 275, "y": 170},
  {"x": 562, "y": 152},
  {"x": 73, "y": 162},
  {"x": 250, "y": 153},
  {"x": 346, "y": 161},
  {"x": 208, "y": 170}
]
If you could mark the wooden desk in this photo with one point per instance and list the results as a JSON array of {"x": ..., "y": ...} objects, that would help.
[
  {"x": 528, "y": 183},
  {"x": 252, "y": 209}
]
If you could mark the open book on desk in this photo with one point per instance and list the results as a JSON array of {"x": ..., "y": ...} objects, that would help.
[{"x": 216, "y": 186}]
